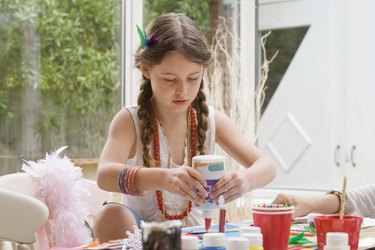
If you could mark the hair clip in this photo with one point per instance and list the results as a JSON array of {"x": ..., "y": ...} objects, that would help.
[{"x": 143, "y": 37}]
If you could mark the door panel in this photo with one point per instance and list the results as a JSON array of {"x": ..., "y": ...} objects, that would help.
[
  {"x": 360, "y": 147},
  {"x": 303, "y": 121}
]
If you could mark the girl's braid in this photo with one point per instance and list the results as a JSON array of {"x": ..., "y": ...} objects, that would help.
[
  {"x": 201, "y": 107},
  {"x": 145, "y": 116}
]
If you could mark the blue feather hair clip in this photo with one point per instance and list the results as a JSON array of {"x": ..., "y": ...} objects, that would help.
[{"x": 143, "y": 37}]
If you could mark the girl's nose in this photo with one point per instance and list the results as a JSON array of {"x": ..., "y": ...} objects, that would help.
[{"x": 182, "y": 87}]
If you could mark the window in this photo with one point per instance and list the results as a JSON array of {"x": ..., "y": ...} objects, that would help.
[
  {"x": 286, "y": 43},
  {"x": 59, "y": 77}
]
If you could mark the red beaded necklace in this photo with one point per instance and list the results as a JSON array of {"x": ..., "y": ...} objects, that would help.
[{"x": 191, "y": 152}]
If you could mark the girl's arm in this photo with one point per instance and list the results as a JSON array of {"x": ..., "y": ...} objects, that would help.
[
  {"x": 116, "y": 151},
  {"x": 121, "y": 145},
  {"x": 260, "y": 169},
  {"x": 324, "y": 204}
]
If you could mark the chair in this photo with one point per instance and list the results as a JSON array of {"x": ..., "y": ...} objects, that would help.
[
  {"x": 20, "y": 218},
  {"x": 24, "y": 184}
]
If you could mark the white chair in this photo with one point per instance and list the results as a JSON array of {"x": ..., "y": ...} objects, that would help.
[
  {"x": 25, "y": 184},
  {"x": 21, "y": 216}
]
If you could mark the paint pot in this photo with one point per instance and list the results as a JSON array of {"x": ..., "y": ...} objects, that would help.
[
  {"x": 337, "y": 241},
  {"x": 213, "y": 241},
  {"x": 237, "y": 243},
  {"x": 189, "y": 242}
]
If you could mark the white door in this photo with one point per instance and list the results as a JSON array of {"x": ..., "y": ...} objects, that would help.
[
  {"x": 303, "y": 124},
  {"x": 360, "y": 149}
]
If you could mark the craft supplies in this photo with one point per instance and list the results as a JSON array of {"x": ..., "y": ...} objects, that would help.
[
  {"x": 237, "y": 243},
  {"x": 350, "y": 224},
  {"x": 212, "y": 169},
  {"x": 255, "y": 240},
  {"x": 336, "y": 241},
  {"x": 189, "y": 242},
  {"x": 249, "y": 229},
  {"x": 161, "y": 235},
  {"x": 213, "y": 241},
  {"x": 342, "y": 202},
  {"x": 275, "y": 221},
  {"x": 310, "y": 219},
  {"x": 222, "y": 214},
  {"x": 264, "y": 205}
]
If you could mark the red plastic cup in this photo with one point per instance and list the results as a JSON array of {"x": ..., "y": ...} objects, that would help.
[
  {"x": 275, "y": 226},
  {"x": 332, "y": 223}
]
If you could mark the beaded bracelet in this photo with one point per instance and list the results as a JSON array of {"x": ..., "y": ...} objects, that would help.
[{"x": 126, "y": 180}]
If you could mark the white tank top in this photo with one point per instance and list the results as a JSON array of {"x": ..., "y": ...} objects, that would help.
[{"x": 146, "y": 206}]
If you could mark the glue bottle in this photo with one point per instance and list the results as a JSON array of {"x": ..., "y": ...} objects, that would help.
[
  {"x": 211, "y": 168},
  {"x": 336, "y": 241}
]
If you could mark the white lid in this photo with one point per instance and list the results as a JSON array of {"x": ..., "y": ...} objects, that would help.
[
  {"x": 337, "y": 239},
  {"x": 208, "y": 158},
  {"x": 213, "y": 239},
  {"x": 237, "y": 243},
  {"x": 255, "y": 239},
  {"x": 189, "y": 242},
  {"x": 249, "y": 229}
]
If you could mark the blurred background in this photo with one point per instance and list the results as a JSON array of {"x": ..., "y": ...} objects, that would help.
[{"x": 296, "y": 75}]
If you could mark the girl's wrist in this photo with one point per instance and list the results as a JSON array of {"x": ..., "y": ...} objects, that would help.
[{"x": 150, "y": 179}]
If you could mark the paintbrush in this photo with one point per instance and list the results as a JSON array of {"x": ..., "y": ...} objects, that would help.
[{"x": 342, "y": 205}]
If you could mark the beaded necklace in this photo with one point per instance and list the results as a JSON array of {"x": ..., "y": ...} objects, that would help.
[{"x": 191, "y": 152}]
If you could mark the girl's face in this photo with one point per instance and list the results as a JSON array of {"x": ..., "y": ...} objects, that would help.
[{"x": 175, "y": 82}]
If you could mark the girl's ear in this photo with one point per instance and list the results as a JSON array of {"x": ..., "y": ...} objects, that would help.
[{"x": 145, "y": 71}]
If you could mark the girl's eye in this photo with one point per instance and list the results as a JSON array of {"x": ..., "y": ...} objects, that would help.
[
  {"x": 170, "y": 80},
  {"x": 193, "y": 79}
]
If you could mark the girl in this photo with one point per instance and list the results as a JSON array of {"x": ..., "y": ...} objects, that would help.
[{"x": 158, "y": 138}]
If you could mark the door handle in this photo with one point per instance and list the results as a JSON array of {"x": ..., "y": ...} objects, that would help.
[
  {"x": 352, "y": 151},
  {"x": 337, "y": 156}
]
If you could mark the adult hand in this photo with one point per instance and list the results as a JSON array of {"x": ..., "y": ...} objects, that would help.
[
  {"x": 231, "y": 186},
  {"x": 186, "y": 182},
  {"x": 301, "y": 205}
]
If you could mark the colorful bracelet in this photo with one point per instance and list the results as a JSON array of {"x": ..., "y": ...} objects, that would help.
[{"x": 126, "y": 180}]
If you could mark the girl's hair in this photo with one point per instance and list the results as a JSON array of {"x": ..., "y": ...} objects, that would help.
[{"x": 174, "y": 32}]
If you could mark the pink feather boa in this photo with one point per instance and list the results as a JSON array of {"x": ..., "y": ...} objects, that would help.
[{"x": 63, "y": 190}]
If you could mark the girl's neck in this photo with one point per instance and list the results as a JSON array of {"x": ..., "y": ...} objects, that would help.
[{"x": 167, "y": 118}]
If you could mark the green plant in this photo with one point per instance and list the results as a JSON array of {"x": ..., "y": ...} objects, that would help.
[
  {"x": 196, "y": 9},
  {"x": 68, "y": 52}
]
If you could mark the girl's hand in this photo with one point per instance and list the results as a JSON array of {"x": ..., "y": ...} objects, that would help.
[
  {"x": 186, "y": 182},
  {"x": 231, "y": 186},
  {"x": 301, "y": 205}
]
